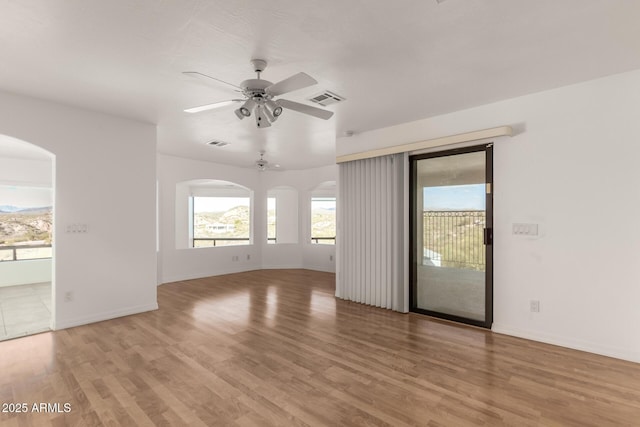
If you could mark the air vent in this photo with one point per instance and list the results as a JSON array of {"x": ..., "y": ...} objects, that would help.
[
  {"x": 326, "y": 98},
  {"x": 217, "y": 143}
]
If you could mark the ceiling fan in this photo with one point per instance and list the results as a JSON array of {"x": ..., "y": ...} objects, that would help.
[
  {"x": 264, "y": 165},
  {"x": 259, "y": 96}
]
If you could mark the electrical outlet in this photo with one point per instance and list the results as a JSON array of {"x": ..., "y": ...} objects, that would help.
[
  {"x": 68, "y": 296},
  {"x": 534, "y": 306}
]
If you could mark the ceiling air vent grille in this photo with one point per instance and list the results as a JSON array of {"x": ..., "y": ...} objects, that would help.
[
  {"x": 217, "y": 143},
  {"x": 326, "y": 98}
]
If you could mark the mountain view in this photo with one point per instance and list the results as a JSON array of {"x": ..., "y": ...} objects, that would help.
[
  {"x": 25, "y": 226},
  {"x": 233, "y": 223},
  {"x": 323, "y": 222}
]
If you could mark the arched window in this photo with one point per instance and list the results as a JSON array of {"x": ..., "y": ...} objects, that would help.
[{"x": 217, "y": 213}]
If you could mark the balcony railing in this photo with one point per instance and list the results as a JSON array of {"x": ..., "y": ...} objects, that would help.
[
  {"x": 454, "y": 239},
  {"x": 24, "y": 252},
  {"x": 328, "y": 240},
  {"x": 215, "y": 241}
]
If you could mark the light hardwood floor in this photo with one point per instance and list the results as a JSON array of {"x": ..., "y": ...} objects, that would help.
[{"x": 276, "y": 348}]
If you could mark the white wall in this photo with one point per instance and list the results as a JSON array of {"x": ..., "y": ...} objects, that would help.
[
  {"x": 28, "y": 172},
  {"x": 573, "y": 168},
  {"x": 287, "y": 215},
  {"x": 304, "y": 254},
  {"x": 188, "y": 263},
  {"x": 105, "y": 178},
  {"x": 184, "y": 263},
  {"x": 26, "y": 271}
]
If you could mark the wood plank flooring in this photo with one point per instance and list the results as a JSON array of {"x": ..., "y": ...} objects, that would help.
[{"x": 275, "y": 347}]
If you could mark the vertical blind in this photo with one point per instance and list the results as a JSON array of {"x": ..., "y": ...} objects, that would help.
[{"x": 371, "y": 247}]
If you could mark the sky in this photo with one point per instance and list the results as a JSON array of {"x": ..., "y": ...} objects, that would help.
[
  {"x": 328, "y": 203},
  {"x": 25, "y": 197},
  {"x": 218, "y": 204},
  {"x": 454, "y": 197}
]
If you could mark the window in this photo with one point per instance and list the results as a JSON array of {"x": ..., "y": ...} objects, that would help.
[
  {"x": 221, "y": 221},
  {"x": 25, "y": 223},
  {"x": 271, "y": 219},
  {"x": 323, "y": 220}
]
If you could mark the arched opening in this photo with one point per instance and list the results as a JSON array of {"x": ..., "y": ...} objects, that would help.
[
  {"x": 323, "y": 214},
  {"x": 26, "y": 238},
  {"x": 213, "y": 213}
]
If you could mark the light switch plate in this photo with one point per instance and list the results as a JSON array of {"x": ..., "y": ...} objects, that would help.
[{"x": 521, "y": 229}]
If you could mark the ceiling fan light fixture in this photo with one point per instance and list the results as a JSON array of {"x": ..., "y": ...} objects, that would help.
[
  {"x": 273, "y": 108},
  {"x": 247, "y": 107},
  {"x": 239, "y": 114}
]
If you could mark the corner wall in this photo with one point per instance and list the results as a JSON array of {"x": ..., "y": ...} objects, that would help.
[
  {"x": 105, "y": 178},
  {"x": 188, "y": 263},
  {"x": 304, "y": 254},
  {"x": 572, "y": 168}
]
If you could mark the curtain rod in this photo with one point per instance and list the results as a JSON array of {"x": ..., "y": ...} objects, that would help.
[{"x": 429, "y": 143}]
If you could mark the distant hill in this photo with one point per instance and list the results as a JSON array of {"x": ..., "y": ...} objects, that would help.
[
  {"x": 15, "y": 209},
  {"x": 25, "y": 225},
  {"x": 9, "y": 209}
]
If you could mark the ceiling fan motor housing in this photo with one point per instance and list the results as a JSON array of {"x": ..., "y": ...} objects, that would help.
[
  {"x": 255, "y": 89},
  {"x": 259, "y": 65}
]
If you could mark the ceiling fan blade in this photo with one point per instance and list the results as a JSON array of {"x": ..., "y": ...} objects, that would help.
[
  {"x": 212, "y": 106},
  {"x": 295, "y": 82},
  {"x": 207, "y": 79},
  {"x": 305, "y": 109}
]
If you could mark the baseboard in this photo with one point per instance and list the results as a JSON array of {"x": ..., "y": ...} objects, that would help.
[
  {"x": 319, "y": 268},
  {"x": 282, "y": 267},
  {"x": 84, "y": 320},
  {"x": 618, "y": 353},
  {"x": 191, "y": 276}
]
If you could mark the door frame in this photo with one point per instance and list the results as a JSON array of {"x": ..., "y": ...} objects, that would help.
[{"x": 413, "y": 266}]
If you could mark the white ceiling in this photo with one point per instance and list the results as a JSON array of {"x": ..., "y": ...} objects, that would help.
[{"x": 394, "y": 61}]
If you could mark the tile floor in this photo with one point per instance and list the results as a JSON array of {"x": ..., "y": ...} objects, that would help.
[{"x": 24, "y": 310}]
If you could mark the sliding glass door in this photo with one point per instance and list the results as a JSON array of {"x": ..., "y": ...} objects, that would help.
[{"x": 451, "y": 235}]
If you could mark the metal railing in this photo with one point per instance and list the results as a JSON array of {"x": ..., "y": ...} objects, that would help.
[
  {"x": 454, "y": 239},
  {"x": 24, "y": 252},
  {"x": 215, "y": 240},
  {"x": 316, "y": 240}
]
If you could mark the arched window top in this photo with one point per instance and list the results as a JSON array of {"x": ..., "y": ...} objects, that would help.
[
  {"x": 215, "y": 187},
  {"x": 18, "y": 149},
  {"x": 324, "y": 189}
]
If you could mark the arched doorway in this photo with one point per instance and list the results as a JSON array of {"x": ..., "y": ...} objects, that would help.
[{"x": 26, "y": 238}]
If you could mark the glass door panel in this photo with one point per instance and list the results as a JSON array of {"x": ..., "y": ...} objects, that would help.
[{"x": 450, "y": 228}]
